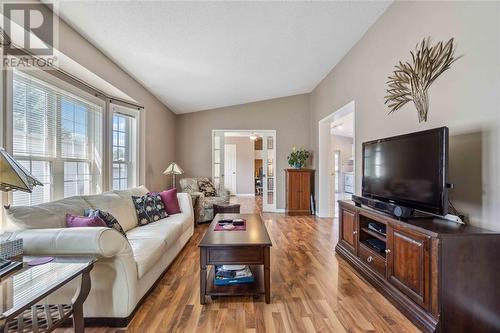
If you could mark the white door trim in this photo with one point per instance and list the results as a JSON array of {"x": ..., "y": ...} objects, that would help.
[{"x": 323, "y": 210}]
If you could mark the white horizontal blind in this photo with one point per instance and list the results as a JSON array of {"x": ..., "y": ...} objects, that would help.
[
  {"x": 124, "y": 148},
  {"x": 58, "y": 137}
]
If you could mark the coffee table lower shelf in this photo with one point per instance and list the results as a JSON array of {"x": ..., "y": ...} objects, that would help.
[
  {"x": 255, "y": 288},
  {"x": 40, "y": 318}
]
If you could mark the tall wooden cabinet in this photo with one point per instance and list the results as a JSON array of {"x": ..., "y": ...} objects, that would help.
[
  {"x": 441, "y": 275},
  {"x": 299, "y": 187}
]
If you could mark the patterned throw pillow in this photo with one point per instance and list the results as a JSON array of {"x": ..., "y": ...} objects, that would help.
[
  {"x": 207, "y": 188},
  {"x": 149, "y": 208},
  {"x": 109, "y": 219}
]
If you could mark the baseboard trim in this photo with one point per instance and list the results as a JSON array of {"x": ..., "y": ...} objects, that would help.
[
  {"x": 245, "y": 195},
  {"x": 124, "y": 321},
  {"x": 324, "y": 216}
]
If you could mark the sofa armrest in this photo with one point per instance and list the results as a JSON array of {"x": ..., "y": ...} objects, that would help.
[
  {"x": 185, "y": 203},
  {"x": 100, "y": 241},
  {"x": 223, "y": 194}
]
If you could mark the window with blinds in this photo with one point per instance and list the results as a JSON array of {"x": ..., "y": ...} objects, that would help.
[
  {"x": 124, "y": 148},
  {"x": 57, "y": 136}
]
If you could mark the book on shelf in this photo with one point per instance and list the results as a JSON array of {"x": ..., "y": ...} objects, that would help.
[{"x": 233, "y": 274}]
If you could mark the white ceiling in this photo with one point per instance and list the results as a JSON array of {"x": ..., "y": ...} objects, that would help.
[
  {"x": 200, "y": 55},
  {"x": 17, "y": 35}
]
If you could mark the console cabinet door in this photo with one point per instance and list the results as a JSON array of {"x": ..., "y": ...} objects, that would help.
[
  {"x": 293, "y": 189},
  {"x": 305, "y": 191},
  {"x": 408, "y": 263},
  {"x": 348, "y": 229}
]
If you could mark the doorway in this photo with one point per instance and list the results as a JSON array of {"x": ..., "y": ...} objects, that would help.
[
  {"x": 244, "y": 162},
  {"x": 230, "y": 167},
  {"x": 336, "y": 160}
]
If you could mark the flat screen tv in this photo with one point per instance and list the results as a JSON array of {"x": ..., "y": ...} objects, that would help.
[{"x": 409, "y": 170}]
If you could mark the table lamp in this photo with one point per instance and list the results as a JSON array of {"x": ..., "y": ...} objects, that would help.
[
  {"x": 13, "y": 177},
  {"x": 173, "y": 169}
]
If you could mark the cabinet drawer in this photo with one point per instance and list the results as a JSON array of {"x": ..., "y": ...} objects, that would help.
[
  {"x": 236, "y": 255},
  {"x": 371, "y": 259}
]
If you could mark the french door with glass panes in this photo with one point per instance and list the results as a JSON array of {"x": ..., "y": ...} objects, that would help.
[
  {"x": 268, "y": 164},
  {"x": 269, "y": 172},
  {"x": 218, "y": 159}
]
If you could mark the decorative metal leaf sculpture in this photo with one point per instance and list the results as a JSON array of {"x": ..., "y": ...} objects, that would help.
[{"x": 410, "y": 82}]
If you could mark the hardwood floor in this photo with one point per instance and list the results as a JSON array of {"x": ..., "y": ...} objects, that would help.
[{"x": 312, "y": 290}]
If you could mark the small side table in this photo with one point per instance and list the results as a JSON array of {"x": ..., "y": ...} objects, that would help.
[
  {"x": 226, "y": 208},
  {"x": 23, "y": 290}
]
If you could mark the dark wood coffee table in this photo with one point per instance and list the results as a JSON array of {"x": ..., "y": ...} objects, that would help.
[{"x": 249, "y": 247}]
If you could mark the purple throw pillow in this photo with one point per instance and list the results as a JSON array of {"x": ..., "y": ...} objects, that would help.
[
  {"x": 73, "y": 221},
  {"x": 169, "y": 198}
]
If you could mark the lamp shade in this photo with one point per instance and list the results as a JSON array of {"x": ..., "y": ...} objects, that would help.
[
  {"x": 173, "y": 168},
  {"x": 13, "y": 176}
]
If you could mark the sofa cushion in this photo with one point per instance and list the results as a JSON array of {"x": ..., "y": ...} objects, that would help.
[
  {"x": 149, "y": 208},
  {"x": 164, "y": 229},
  {"x": 76, "y": 221},
  {"x": 118, "y": 207},
  {"x": 169, "y": 198},
  {"x": 147, "y": 252},
  {"x": 127, "y": 194},
  {"x": 139, "y": 190},
  {"x": 183, "y": 220},
  {"x": 190, "y": 185},
  {"x": 208, "y": 202},
  {"x": 46, "y": 215},
  {"x": 207, "y": 188},
  {"x": 109, "y": 220}
]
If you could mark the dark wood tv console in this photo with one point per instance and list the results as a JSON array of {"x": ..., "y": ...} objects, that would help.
[{"x": 443, "y": 276}]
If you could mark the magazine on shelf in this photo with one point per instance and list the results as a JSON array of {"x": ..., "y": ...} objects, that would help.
[{"x": 232, "y": 274}]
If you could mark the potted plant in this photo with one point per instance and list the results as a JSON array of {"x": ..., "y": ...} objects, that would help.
[{"x": 298, "y": 157}]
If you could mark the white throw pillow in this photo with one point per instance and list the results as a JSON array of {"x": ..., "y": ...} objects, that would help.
[
  {"x": 46, "y": 215},
  {"x": 118, "y": 206}
]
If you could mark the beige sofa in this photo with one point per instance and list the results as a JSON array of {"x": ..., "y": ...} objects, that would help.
[{"x": 126, "y": 268}]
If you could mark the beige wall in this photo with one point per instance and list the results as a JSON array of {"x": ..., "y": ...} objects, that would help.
[
  {"x": 245, "y": 155},
  {"x": 158, "y": 122},
  {"x": 466, "y": 98},
  {"x": 289, "y": 116}
]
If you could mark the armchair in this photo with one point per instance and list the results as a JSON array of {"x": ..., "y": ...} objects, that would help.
[{"x": 204, "y": 206}]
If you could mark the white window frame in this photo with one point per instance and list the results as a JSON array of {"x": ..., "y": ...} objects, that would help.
[
  {"x": 6, "y": 124},
  {"x": 58, "y": 168},
  {"x": 134, "y": 139}
]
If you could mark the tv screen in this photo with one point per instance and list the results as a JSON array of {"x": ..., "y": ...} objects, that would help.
[{"x": 409, "y": 170}]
